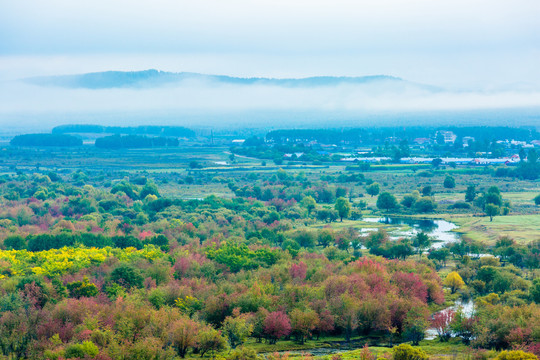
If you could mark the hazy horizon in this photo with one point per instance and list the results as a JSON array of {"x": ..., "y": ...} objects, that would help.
[{"x": 483, "y": 56}]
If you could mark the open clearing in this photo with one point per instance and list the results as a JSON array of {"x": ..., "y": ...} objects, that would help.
[{"x": 522, "y": 228}]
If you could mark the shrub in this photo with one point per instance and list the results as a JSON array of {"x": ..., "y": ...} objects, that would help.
[
  {"x": 461, "y": 205},
  {"x": 516, "y": 355},
  {"x": 425, "y": 174},
  {"x": 407, "y": 352},
  {"x": 243, "y": 353},
  {"x": 81, "y": 350}
]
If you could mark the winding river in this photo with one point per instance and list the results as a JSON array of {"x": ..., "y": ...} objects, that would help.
[{"x": 441, "y": 233}]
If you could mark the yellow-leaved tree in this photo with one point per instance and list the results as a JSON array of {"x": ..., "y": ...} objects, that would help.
[{"x": 454, "y": 281}]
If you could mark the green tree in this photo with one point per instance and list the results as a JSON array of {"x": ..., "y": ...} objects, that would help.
[
  {"x": 421, "y": 241},
  {"x": 532, "y": 157},
  {"x": 534, "y": 291},
  {"x": 325, "y": 237},
  {"x": 522, "y": 154},
  {"x": 493, "y": 196},
  {"x": 343, "y": 207},
  {"x": 409, "y": 200},
  {"x": 127, "y": 276},
  {"x": 83, "y": 288},
  {"x": 386, "y": 201},
  {"x": 327, "y": 215},
  {"x": 439, "y": 255},
  {"x": 345, "y": 309},
  {"x": 492, "y": 210},
  {"x": 237, "y": 329},
  {"x": 415, "y": 325},
  {"x": 536, "y": 202},
  {"x": 425, "y": 204},
  {"x": 303, "y": 323},
  {"x": 470, "y": 194},
  {"x": 436, "y": 162},
  {"x": 373, "y": 189},
  {"x": 149, "y": 189},
  {"x": 404, "y": 148},
  {"x": 449, "y": 182},
  {"x": 305, "y": 238},
  {"x": 17, "y": 242},
  {"x": 87, "y": 348},
  {"x": 309, "y": 203},
  {"x": 210, "y": 340}
]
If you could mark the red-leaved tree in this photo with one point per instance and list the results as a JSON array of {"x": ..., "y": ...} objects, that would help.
[
  {"x": 441, "y": 322},
  {"x": 276, "y": 326}
]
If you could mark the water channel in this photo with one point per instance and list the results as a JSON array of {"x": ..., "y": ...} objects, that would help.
[{"x": 440, "y": 231}]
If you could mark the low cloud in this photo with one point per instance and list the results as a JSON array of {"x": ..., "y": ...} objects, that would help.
[{"x": 17, "y": 98}]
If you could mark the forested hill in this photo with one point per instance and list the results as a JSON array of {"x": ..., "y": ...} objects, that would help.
[
  {"x": 155, "y": 78},
  {"x": 174, "y": 131}
]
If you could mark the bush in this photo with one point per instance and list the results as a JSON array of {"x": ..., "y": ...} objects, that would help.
[
  {"x": 461, "y": 205},
  {"x": 407, "y": 352},
  {"x": 243, "y": 353},
  {"x": 516, "y": 355},
  {"x": 81, "y": 350},
  {"x": 425, "y": 174}
]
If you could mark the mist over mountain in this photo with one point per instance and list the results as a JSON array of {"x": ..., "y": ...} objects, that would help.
[
  {"x": 155, "y": 78},
  {"x": 193, "y": 99}
]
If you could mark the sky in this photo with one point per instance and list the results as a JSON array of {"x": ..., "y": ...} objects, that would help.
[{"x": 489, "y": 49}]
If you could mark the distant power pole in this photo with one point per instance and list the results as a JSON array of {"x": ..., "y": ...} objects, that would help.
[{"x": 212, "y": 136}]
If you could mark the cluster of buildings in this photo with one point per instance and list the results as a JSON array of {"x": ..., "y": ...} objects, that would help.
[
  {"x": 510, "y": 160},
  {"x": 449, "y": 138},
  {"x": 518, "y": 144},
  {"x": 443, "y": 136}
]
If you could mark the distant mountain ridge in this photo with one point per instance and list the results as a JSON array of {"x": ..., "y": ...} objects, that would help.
[{"x": 156, "y": 78}]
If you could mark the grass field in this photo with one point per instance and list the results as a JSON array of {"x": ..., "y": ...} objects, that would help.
[
  {"x": 522, "y": 228},
  {"x": 193, "y": 191}
]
